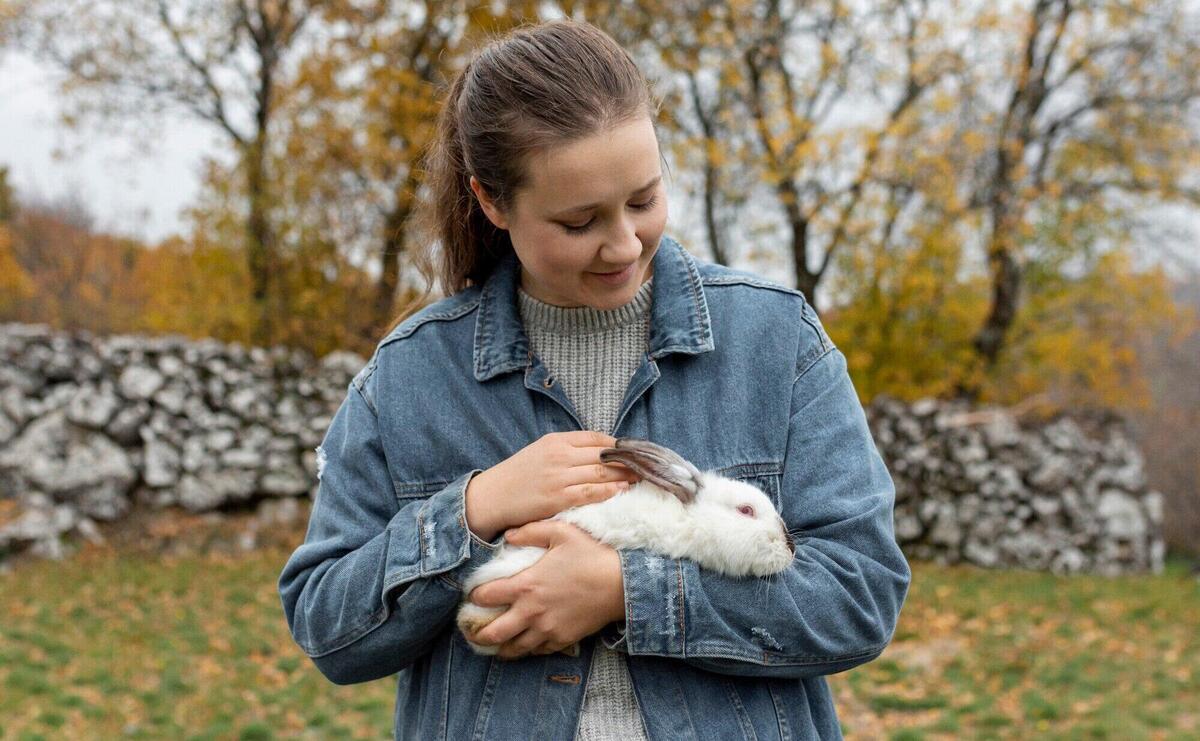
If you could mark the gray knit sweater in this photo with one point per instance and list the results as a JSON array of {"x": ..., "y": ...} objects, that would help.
[{"x": 594, "y": 353}]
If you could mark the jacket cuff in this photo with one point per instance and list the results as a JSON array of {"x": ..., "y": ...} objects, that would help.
[
  {"x": 445, "y": 546},
  {"x": 654, "y": 606},
  {"x": 613, "y": 637}
]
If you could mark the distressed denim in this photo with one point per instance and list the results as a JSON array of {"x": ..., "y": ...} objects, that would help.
[{"x": 740, "y": 377}]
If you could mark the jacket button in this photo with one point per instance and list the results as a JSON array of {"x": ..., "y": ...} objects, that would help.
[{"x": 548, "y": 382}]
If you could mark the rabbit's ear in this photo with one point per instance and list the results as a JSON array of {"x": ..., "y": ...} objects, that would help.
[{"x": 660, "y": 466}]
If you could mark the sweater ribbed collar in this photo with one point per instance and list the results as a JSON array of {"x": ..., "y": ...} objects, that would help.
[{"x": 572, "y": 320}]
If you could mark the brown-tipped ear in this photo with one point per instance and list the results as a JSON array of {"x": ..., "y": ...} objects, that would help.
[{"x": 660, "y": 466}]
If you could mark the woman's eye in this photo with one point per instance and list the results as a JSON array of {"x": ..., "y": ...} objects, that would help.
[{"x": 585, "y": 227}]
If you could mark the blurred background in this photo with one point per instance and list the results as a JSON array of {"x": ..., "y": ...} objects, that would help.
[{"x": 990, "y": 203}]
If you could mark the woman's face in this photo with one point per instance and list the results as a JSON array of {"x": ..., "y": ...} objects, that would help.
[{"x": 595, "y": 205}]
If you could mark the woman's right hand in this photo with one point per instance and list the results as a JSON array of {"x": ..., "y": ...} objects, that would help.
[{"x": 558, "y": 471}]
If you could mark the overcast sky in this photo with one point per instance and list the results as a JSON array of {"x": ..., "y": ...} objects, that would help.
[{"x": 130, "y": 192}]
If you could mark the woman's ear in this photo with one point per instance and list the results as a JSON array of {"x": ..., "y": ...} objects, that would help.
[{"x": 489, "y": 207}]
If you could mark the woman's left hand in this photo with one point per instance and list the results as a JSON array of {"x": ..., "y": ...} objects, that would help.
[{"x": 574, "y": 590}]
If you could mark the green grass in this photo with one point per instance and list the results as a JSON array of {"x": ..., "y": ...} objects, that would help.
[
  {"x": 107, "y": 645},
  {"x": 987, "y": 654},
  {"x": 123, "y": 646}
]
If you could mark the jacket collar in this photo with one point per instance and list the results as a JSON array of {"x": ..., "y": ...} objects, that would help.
[{"x": 679, "y": 319}]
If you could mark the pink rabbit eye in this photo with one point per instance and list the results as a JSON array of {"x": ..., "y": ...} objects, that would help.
[{"x": 746, "y": 510}]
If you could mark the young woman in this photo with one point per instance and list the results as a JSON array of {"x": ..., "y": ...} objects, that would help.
[{"x": 571, "y": 318}]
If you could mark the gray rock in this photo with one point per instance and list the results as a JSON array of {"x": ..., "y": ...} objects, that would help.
[
  {"x": 981, "y": 554},
  {"x": 908, "y": 528},
  {"x": 290, "y": 481},
  {"x": 169, "y": 365},
  {"x": 162, "y": 464},
  {"x": 13, "y": 403},
  {"x": 140, "y": 382},
  {"x": 93, "y": 406},
  {"x": 8, "y": 430},
  {"x": 211, "y": 489},
  {"x": 1053, "y": 474},
  {"x": 1046, "y": 507},
  {"x": 172, "y": 397},
  {"x": 1121, "y": 515},
  {"x": 241, "y": 458},
  {"x": 126, "y": 425}
]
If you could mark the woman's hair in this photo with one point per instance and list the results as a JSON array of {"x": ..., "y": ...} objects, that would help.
[{"x": 536, "y": 87}]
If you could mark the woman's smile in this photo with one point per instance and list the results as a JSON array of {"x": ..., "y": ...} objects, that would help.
[{"x": 617, "y": 277}]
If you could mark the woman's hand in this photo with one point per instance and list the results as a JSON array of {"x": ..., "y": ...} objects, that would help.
[
  {"x": 557, "y": 471},
  {"x": 574, "y": 590}
]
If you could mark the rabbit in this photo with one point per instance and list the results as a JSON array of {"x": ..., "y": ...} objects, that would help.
[{"x": 675, "y": 510}]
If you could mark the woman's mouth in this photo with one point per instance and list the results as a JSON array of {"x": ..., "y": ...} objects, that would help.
[{"x": 618, "y": 277}]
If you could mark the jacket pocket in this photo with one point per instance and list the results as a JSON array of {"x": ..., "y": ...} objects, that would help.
[{"x": 765, "y": 477}]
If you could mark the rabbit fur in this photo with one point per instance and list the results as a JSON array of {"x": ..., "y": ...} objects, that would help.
[{"x": 676, "y": 510}]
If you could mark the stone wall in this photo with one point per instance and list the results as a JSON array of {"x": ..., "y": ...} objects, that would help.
[
  {"x": 91, "y": 427},
  {"x": 972, "y": 485}
]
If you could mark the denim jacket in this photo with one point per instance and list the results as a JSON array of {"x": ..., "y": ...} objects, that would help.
[{"x": 740, "y": 377}]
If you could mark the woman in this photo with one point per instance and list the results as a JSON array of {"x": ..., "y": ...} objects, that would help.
[{"x": 571, "y": 318}]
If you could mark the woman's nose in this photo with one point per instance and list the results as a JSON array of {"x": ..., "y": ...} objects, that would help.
[{"x": 623, "y": 246}]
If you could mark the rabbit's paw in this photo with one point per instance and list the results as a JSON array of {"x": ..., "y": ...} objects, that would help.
[{"x": 473, "y": 618}]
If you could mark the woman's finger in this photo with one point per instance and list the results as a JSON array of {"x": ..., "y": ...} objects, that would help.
[
  {"x": 502, "y": 629},
  {"x": 590, "y": 469},
  {"x": 495, "y": 593},
  {"x": 581, "y": 494},
  {"x": 547, "y": 648},
  {"x": 521, "y": 645}
]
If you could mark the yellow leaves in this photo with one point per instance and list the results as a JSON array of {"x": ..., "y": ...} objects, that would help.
[
  {"x": 1078, "y": 338},
  {"x": 829, "y": 56},
  {"x": 912, "y": 317},
  {"x": 942, "y": 102},
  {"x": 15, "y": 284}
]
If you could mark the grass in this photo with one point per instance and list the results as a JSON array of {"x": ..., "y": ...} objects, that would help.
[
  {"x": 107, "y": 645},
  {"x": 127, "y": 645},
  {"x": 986, "y": 654}
]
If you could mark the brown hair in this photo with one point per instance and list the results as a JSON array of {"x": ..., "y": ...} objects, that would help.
[{"x": 533, "y": 88}]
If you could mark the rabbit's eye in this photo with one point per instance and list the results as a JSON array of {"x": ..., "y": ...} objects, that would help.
[{"x": 746, "y": 510}]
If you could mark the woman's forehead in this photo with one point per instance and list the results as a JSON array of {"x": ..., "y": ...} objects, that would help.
[{"x": 603, "y": 167}]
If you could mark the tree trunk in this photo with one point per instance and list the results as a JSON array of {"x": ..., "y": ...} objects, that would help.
[{"x": 260, "y": 250}]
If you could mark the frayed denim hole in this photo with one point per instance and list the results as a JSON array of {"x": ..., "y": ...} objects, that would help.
[{"x": 320, "y": 461}]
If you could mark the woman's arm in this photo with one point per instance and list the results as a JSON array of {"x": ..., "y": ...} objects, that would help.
[
  {"x": 836, "y": 606},
  {"x": 374, "y": 583}
]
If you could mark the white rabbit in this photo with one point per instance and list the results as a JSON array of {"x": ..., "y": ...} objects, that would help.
[{"x": 675, "y": 510}]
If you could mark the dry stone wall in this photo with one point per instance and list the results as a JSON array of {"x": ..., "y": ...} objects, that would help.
[
  {"x": 974, "y": 486},
  {"x": 91, "y": 427}
]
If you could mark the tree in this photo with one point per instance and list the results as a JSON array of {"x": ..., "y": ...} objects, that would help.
[
  {"x": 1097, "y": 106},
  {"x": 779, "y": 79},
  {"x": 218, "y": 61},
  {"x": 359, "y": 120},
  {"x": 15, "y": 285}
]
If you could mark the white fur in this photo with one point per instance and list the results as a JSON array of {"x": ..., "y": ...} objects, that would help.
[{"x": 709, "y": 531}]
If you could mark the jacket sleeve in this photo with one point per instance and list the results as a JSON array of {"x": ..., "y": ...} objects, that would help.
[
  {"x": 375, "y": 580},
  {"x": 836, "y": 606}
]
